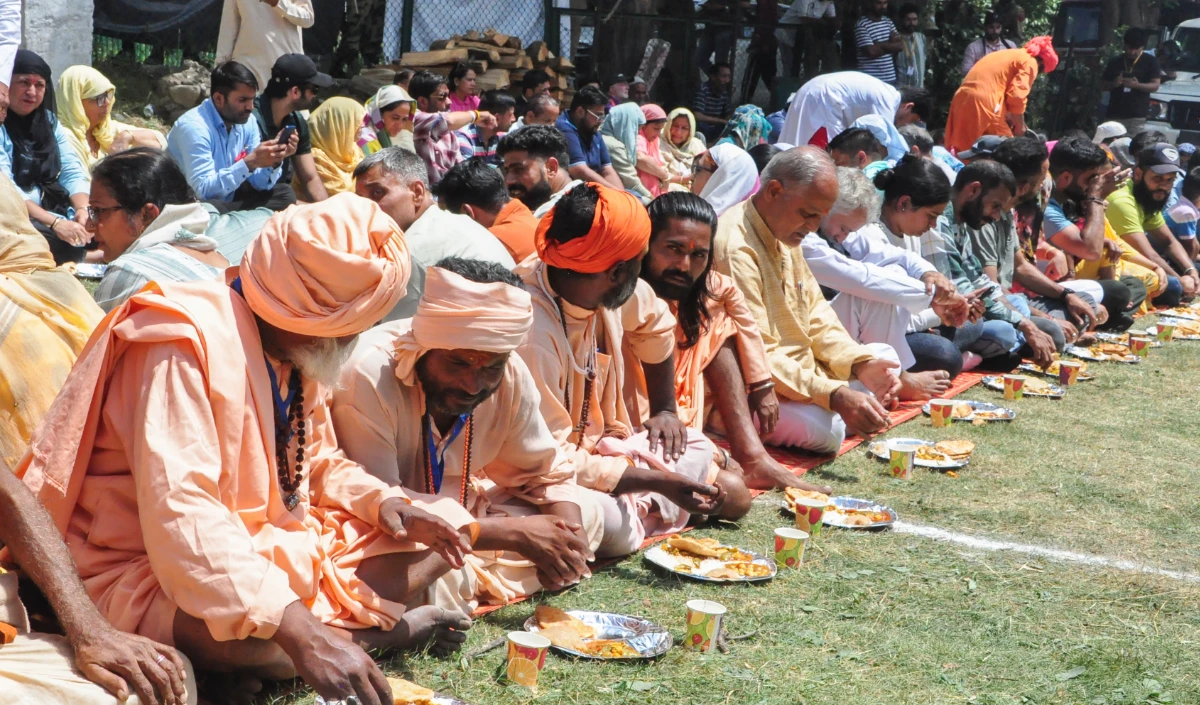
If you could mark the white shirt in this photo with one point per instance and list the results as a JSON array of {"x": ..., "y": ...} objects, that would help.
[
  {"x": 10, "y": 37},
  {"x": 888, "y": 284},
  {"x": 255, "y": 34},
  {"x": 439, "y": 234},
  {"x": 834, "y": 101},
  {"x": 813, "y": 9}
]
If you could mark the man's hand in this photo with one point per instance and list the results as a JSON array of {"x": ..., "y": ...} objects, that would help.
[
  {"x": 1102, "y": 185},
  {"x": 1081, "y": 313},
  {"x": 115, "y": 660},
  {"x": 293, "y": 143},
  {"x": 667, "y": 427},
  {"x": 691, "y": 496},
  {"x": 1190, "y": 283},
  {"x": 765, "y": 405},
  {"x": 1041, "y": 346},
  {"x": 939, "y": 287},
  {"x": 1070, "y": 332},
  {"x": 862, "y": 413},
  {"x": 1112, "y": 251},
  {"x": 557, "y": 547},
  {"x": 404, "y": 522},
  {"x": 954, "y": 312},
  {"x": 882, "y": 377},
  {"x": 327, "y": 663},
  {"x": 267, "y": 154},
  {"x": 71, "y": 232}
]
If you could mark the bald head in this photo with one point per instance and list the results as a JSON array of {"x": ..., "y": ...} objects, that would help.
[{"x": 799, "y": 187}]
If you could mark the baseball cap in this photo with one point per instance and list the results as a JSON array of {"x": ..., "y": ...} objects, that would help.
[
  {"x": 1109, "y": 130},
  {"x": 618, "y": 78},
  {"x": 983, "y": 147},
  {"x": 1162, "y": 158},
  {"x": 636, "y": 80},
  {"x": 1186, "y": 149},
  {"x": 298, "y": 70}
]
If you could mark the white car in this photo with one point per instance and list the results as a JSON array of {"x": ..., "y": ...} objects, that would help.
[{"x": 1175, "y": 106}]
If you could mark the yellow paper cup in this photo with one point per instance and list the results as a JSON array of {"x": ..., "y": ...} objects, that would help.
[
  {"x": 526, "y": 657},
  {"x": 941, "y": 412},
  {"x": 1165, "y": 332},
  {"x": 1014, "y": 387},
  {"x": 1068, "y": 372},
  {"x": 1139, "y": 346},
  {"x": 901, "y": 459},
  {"x": 704, "y": 618},
  {"x": 810, "y": 515},
  {"x": 789, "y": 547}
]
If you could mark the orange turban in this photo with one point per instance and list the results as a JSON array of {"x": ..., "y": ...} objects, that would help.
[
  {"x": 620, "y": 232},
  {"x": 457, "y": 313},
  {"x": 1043, "y": 48},
  {"x": 326, "y": 269}
]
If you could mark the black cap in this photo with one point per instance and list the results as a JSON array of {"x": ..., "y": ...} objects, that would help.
[
  {"x": 1162, "y": 158},
  {"x": 298, "y": 70},
  {"x": 619, "y": 78},
  {"x": 983, "y": 147}
]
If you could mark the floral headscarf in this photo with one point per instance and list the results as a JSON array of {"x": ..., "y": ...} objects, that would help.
[{"x": 747, "y": 128}]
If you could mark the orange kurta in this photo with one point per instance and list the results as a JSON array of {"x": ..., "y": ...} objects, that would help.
[
  {"x": 514, "y": 227},
  {"x": 998, "y": 85},
  {"x": 158, "y": 463},
  {"x": 729, "y": 317}
]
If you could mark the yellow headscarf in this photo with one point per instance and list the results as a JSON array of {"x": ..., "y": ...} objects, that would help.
[
  {"x": 334, "y": 127},
  {"x": 74, "y": 86}
]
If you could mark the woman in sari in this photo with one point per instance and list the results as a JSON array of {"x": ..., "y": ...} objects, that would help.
[
  {"x": 335, "y": 125},
  {"x": 85, "y": 100},
  {"x": 388, "y": 122},
  {"x": 681, "y": 144}
]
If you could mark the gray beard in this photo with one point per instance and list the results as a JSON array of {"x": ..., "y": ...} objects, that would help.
[{"x": 322, "y": 360}]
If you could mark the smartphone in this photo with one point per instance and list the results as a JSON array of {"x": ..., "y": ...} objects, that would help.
[{"x": 285, "y": 135}]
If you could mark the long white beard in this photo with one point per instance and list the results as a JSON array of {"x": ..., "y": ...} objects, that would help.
[{"x": 322, "y": 359}]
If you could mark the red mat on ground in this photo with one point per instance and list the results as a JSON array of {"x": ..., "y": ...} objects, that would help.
[{"x": 799, "y": 462}]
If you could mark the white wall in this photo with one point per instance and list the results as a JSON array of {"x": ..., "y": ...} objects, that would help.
[{"x": 60, "y": 31}]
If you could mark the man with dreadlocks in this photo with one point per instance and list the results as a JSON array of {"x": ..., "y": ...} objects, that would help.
[{"x": 720, "y": 363}]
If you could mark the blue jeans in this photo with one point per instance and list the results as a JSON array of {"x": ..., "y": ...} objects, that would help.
[
  {"x": 1046, "y": 325},
  {"x": 1172, "y": 296}
]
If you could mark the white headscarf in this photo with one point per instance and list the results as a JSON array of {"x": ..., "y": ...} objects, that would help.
[{"x": 735, "y": 179}]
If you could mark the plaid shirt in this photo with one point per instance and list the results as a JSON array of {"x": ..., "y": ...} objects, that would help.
[
  {"x": 436, "y": 143},
  {"x": 948, "y": 247},
  {"x": 471, "y": 144}
]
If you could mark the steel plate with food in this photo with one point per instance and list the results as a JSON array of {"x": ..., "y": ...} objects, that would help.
[
  {"x": 945, "y": 455},
  {"x": 1123, "y": 338},
  {"x": 1034, "y": 387},
  {"x": 1188, "y": 312},
  {"x": 1052, "y": 371},
  {"x": 599, "y": 635},
  {"x": 1184, "y": 329},
  {"x": 709, "y": 560},
  {"x": 845, "y": 512},
  {"x": 1103, "y": 352},
  {"x": 971, "y": 411}
]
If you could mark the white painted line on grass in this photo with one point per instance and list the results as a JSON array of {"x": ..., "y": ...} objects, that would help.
[{"x": 984, "y": 544}]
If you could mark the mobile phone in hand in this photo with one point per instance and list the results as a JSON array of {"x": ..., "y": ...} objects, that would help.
[{"x": 285, "y": 135}]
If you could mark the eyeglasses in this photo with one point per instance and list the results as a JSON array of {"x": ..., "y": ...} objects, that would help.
[
  {"x": 93, "y": 213},
  {"x": 698, "y": 166},
  {"x": 101, "y": 100},
  {"x": 599, "y": 118}
]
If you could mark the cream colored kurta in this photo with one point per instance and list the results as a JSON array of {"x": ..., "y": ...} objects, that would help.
[
  {"x": 516, "y": 463},
  {"x": 255, "y": 34},
  {"x": 645, "y": 324},
  {"x": 810, "y": 354}
]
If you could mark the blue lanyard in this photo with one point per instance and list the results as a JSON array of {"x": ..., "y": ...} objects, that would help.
[{"x": 437, "y": 464}]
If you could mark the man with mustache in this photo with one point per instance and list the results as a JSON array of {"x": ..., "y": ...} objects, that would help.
[
  {"x": 438, "y": 404},
  {"x": 588, "y": 302},
  {"x": 193, "y": 467},
  {"x": 534, "y": 162},
  {"x": 719, "y": 358},
  {"x": 1135, "y": 213}
]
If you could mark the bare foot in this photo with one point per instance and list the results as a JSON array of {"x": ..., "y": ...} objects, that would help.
[
  {"x": 446, "y": 629},
  {"x": 921, "y": 386},
  {"x": 762, "y": 472},
  {"x": 222, "y": 688}
]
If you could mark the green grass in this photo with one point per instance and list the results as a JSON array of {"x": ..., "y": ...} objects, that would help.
[{"x": 893, "y": 619}]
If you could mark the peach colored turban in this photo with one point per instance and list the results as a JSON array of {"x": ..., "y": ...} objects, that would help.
[
  {"x": 1043, "y": 48},
  {"x": 456, "y": 313},
  {"x": 620, "y": 232},
  {"x": 326, "y": 269}
]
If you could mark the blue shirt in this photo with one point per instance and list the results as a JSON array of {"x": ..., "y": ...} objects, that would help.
[
  {"x": 594, "y": 154},
  {"x": 212, "y": 157},
  {"x": 1054, "y": 220},
  {"x": 72, "y": 176},
  {"x": 776, "y": 119}
]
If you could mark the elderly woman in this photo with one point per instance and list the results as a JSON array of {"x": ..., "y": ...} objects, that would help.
[
  {"x": 150, "y": 227},
  {"x": 651, "y": 166},
  {"x": 388, "y": 122},
  {"x": 334, "y": 125},
  {"x": 85, "y": 101},
  {"x": 620, "y": 133},
  {"x": 36, "y": 153},
  {"x": 725, "y": 176}
]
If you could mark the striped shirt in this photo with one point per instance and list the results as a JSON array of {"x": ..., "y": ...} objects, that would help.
[
  {"x": 868, "y": 32},
  {"x": 472, "y": 144},
  {"x": 127, "y": 274}
]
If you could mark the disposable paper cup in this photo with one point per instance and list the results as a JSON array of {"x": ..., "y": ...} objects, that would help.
[
  {"x": 810, "y": 514},
  {"x": 1139, "y": 346},
  {"x": 526, "y": 657},
  {"x": 704, "y": 618},
  {"x": 1014, "y": 387},
  {"x": 1165, "y": 332},
  {"x": 901, "y": 458},
  {"x": 1068, "y": 373},
  {"x": 789, "y": 547},
  {"x": 941, "y": 412}
]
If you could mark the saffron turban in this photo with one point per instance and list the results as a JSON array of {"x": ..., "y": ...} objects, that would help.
[
  {"x": 1043, "y": 48},
  {"x": 456, "y": 313},
  {"x": 620, "y": 232},
  {"x": 327, "y": 269}
]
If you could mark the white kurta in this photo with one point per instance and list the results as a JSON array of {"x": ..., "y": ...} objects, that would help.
[{"x": 256, "y": 34}]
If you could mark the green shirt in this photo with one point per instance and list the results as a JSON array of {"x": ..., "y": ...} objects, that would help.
[{"x": 1126, "y": 216}]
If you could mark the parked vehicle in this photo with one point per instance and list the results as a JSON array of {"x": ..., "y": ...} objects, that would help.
[{"x": 1175, "y": 106}]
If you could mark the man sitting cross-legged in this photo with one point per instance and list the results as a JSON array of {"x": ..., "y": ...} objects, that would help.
[
  {"x": 719, "y": 358},
  {"x": 439, "y": 405},
  {"x": 192, "y": 465},
  {"x": 812, "y": 357},
  {"x": 587, "y": 302}
]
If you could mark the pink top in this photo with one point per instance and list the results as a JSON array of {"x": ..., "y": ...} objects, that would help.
[
  {"x": 459, "y": 106},
  {"x": 650, "y": 181}
]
